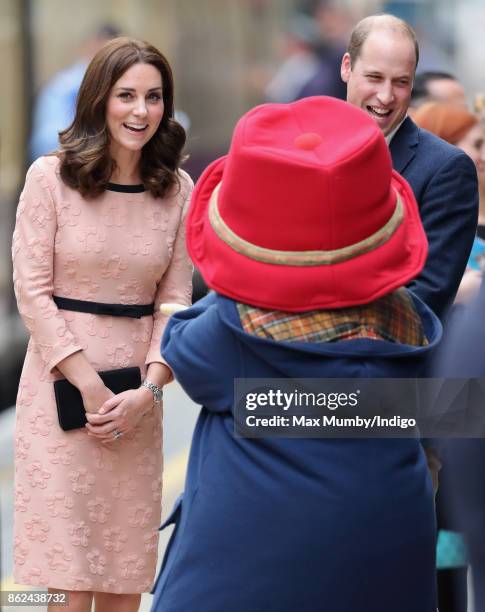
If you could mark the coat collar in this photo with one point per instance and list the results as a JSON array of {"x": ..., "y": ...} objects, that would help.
[{"x": 403, "y": 145}]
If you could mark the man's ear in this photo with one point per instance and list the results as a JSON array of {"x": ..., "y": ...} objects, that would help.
[{"x": 345, "y": 68}]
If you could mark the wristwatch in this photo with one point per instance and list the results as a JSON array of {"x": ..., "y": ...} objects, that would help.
[{"x": 157, "y": 391}]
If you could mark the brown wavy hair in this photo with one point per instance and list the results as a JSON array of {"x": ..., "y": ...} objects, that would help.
[{"x": 86, "y": 163}]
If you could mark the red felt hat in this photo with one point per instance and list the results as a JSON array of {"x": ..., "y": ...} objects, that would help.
[{"x": 305, "y": 212}]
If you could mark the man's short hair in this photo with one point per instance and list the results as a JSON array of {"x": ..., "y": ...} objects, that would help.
[
  {"x": 365, "y": 26},
  {"x": 422, "y": 81}
]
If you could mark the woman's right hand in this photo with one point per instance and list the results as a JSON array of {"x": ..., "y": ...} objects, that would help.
[
  {"x": 78, "y": 371},
  {"x": 94, "y": 395}
]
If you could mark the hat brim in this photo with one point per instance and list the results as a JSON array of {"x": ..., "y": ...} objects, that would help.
[{"x": 359, "y": 280}]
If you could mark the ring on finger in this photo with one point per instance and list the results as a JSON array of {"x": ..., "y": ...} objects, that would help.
[{"x": 117, "y": 434}]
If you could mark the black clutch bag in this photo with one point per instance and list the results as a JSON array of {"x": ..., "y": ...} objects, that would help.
[{"x": 70, "y": 407}]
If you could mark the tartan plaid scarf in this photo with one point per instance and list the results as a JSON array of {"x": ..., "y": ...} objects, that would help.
[{"x": 393, "y": 318}]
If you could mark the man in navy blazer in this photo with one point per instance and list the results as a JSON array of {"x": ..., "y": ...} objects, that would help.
[{"x": 379, "y": 68}]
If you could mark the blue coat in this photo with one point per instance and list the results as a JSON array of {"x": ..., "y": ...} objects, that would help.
[
  {"x": 444, "y": 182},
  {"x": 293, "y": 525}
]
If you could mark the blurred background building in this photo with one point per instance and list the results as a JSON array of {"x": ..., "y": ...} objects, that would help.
[{"x": 226, "y": 55}]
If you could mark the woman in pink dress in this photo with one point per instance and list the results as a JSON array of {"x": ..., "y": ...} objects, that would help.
[{"x": 99, "y": 244}]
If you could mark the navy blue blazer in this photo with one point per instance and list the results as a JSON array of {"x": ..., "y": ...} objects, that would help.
[{"x": 444, "y": 181}]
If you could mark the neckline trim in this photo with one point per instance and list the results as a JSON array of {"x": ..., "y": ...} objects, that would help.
[{"x": 125, "y": 188}]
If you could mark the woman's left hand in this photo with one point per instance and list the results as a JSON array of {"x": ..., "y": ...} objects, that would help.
[{"x": 121, "y": 414}]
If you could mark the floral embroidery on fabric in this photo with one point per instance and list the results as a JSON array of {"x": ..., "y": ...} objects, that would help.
[
  {"x": 114, "y": 539},
  {"x": 113, "y": 266},
  {"x": 92, "y": 239},
  {"x": 99, "y": 510},
  {"x": 21, "y": 550},
  {"x": 146, "y": 463},
  {"x": 97, "y": 562},
  {"x": 130, "y": 292},
  {"x": 99, "y": 326},
  {"x": 60, "y": 453},
  {"x": 158, "y": 218},
  {"x": 103, "y": 459},
  {"x": 37, "y": 528},
  {"x": 124, "y": 487},
  {"x": 22, "y": 498},
  {"x": 86, "y": 288},
  {"x": 40, "y": 423},
  {"x": 141, "y": 332},
  {"x": 27, "y": 392},
  {"x": 34, "y": 576},
  {"x": 58, "y": 558},
  {"x": 71, "y": 264},
  {"x": 21, "y": 447},
  {"x": 139, "y": 515},
  {"x": 139, "y": 244},
  {"x": 157, "y": 489},
  {"x": 39, "y": 212},
  {"x": 82, "y": 481},
  {"x": 37, "y": 475},
  {"x": 47, "y": 306},
  {"x": 38, "y": 250},
  {"x": 119, "y": 355},
  {"x": 132, "y": 566},
  {"x": 59, "y": 504},
  {"x": 151, "y": 542},
  {"x": 68, "y": 214},
  {"x": 112, "y": 217},
  {"x": 80, "y": 534}
]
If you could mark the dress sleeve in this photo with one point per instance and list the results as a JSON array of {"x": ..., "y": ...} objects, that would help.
[
  {"x": 33, "y": 256},
  {"x": 176, "y": 284}
]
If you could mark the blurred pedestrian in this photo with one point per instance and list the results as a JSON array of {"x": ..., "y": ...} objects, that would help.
[
  {"x": 432, "y": 86},
  {"x": 462, "y": 356},
  {"x": 55, "y": 104},
  {"x": 98, "y": 245},
  {"x": 459, "y": 127},
  {"x": 300, "y": 62},
  {"x": 304, "y": 287},
  {"x": 334, "y": 23},
  {"x": 379, "y": 69}
]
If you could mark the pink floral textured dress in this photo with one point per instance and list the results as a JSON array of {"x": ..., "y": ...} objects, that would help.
[{"x": 86, "y": 514}]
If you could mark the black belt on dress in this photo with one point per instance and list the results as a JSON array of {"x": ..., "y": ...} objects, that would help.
[{"x": 135, "y": 311}]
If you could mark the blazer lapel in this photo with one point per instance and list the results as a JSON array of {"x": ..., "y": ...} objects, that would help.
[{"x": 403, "y": 145}]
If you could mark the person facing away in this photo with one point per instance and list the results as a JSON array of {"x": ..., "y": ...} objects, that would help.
[
  {"x": 99, "y": 243},
  {"x": 379, "y": 68},
  {"x": 303, "y": 287}
]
